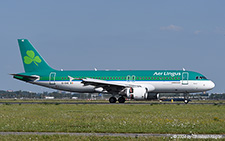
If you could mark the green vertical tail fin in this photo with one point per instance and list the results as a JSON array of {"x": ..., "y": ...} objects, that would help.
[{"x": 32, "y": 60}]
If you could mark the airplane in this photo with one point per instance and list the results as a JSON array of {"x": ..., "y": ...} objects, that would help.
[{"x": 124, "y": 84}]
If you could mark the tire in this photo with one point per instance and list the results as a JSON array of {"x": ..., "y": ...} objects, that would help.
[
  {"x": 121, "y": 99},
  {"x": 112, "y": 100},
  {"x": 186, "y": 101}
]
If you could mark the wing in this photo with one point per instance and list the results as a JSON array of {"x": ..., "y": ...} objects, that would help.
[{"x": 110, "y": 87}]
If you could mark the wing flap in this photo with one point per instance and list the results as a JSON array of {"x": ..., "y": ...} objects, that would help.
[
  {"x": 111, "y": 87},
  {"x": 102, "y": 82}
]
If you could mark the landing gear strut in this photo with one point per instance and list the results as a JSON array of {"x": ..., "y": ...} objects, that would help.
[
  {"x": 186, "y": 98},
  {"x": 121, "y": 99},
  {"x": 112, "y": 99}
]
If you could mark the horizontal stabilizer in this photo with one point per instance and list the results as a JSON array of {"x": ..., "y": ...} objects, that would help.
[{"x": 25, "y": 77}]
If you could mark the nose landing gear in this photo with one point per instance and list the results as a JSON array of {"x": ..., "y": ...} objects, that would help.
[{"x": 186, "y": 98}]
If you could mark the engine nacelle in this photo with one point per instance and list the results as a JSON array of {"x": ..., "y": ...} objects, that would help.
[
  {"x": 141, "y": 93},
  {"x": 137, "y": 93},
  {"x": 152, "y": 96}
]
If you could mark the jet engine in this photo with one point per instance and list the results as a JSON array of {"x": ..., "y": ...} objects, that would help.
[{"x": 141, "y": 93}]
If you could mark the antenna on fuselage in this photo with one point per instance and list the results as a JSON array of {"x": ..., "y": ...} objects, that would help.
[
  {"x": 95, "y": 69},
  {"x": 183, "y": 69}
]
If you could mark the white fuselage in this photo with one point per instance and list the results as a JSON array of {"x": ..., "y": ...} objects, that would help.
[{"x": 190, "y": 86}]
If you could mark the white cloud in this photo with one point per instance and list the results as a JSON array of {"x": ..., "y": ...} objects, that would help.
[
  {"x": 171, "y": 27},
  {"x": 197, "y": 32}
]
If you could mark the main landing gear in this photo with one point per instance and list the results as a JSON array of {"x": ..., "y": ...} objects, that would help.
[
  {"x": 120, "y": 99},
  {"x": 112, "y": 100}
]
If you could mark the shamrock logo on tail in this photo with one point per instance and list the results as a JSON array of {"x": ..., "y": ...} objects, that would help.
[{"x": 31, "y": 58}]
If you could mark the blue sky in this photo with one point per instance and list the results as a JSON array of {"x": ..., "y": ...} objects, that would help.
[{"x": 115, "y": 34}]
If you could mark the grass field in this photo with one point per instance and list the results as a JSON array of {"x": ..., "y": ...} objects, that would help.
[
  {"x": 204, "y": 119},
  {"x": 72, "y": 138}
]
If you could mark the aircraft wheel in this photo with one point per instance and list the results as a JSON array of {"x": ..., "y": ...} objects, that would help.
[
  {"x": 121, "y": 99},
  {"x": 186, "y": 98},
  {"x": 186, "y": 101},
  {"x": 112, "y": 100}
]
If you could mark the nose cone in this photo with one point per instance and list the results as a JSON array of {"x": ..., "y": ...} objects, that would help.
[{"x": 210, "y": 85}]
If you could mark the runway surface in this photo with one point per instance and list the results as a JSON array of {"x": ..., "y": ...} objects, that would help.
[
  {"x": 101, "y": 103},
  {"x": 188, "y": 136}
]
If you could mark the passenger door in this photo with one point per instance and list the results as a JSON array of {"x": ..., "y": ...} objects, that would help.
[
  {"x": 185, "y": 77},
  {"x": 52, "y": 78}
]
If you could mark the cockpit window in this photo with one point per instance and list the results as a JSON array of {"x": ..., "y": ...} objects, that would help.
[{"x": 201, "y": 77}]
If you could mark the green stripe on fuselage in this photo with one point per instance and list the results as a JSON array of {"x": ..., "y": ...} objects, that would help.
[{"x": 122, "y": 75}]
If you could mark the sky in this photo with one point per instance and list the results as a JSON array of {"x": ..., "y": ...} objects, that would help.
[{"x": 118, "y": 34}]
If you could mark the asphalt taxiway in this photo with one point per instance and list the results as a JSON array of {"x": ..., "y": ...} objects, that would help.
[
  {"x": 187, "y": 136},
  {"x": 102, "y": 103}
]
